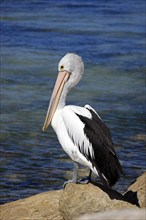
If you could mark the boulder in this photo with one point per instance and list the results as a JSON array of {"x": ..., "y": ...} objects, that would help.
[
  {"x": 122, "y": 214},
  {"x": 44, "y": 206},
  {"x": 78, "y": 199},
  {"x": 136, "y": 193}
]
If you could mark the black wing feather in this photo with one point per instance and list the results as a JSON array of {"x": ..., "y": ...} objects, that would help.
[{"x": 105, "y": 161}]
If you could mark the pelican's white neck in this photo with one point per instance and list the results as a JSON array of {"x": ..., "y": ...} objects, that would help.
[{"x": 62, "y": 100}]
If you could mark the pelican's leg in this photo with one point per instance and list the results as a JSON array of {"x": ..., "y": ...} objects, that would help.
[
  {"x": 87, "y": 179},
  {"x": 75, "y": 175}
]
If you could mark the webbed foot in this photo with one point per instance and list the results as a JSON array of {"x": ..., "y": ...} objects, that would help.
[
  {"x": 69, "y": 181},
  {"x": 86, "y": 179}
]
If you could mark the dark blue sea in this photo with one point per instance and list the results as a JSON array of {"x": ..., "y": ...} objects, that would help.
[{"x": 109, "y": 35}]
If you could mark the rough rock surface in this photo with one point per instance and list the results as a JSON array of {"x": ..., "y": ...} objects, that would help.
[
  {"x": 123, "y": 214},
  {"x": 136, "y": 192},
  {"x": 44, "y": 206},
  {"x": 74, "y": 201},
  {"x": 79, "y": 199}
]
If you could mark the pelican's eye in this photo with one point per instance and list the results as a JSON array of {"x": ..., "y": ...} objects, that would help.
[{"x": 62, "y": 67}]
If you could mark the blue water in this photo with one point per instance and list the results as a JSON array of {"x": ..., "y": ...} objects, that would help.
[{"x": 35, "y": 35}]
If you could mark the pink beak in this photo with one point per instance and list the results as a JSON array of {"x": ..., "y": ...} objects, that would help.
[{"x": 62, "y": 78}]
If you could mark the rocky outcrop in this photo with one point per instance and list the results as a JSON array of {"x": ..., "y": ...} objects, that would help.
[
  {"x": 79, "y": 199},
  {"x": 44, "y": 206},
  {"x": 76, "y": 200},
  {"x": 136, "y": 192}
]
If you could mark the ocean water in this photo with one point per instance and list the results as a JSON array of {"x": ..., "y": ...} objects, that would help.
[{"x": 35, "y": 35}]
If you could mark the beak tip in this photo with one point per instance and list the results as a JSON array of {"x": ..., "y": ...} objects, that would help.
[{"x": 43, "y": 128}]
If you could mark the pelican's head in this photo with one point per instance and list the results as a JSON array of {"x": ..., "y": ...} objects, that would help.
[
  {"x": 72, "y": 64},
  {"x": 70, "y": 69}
]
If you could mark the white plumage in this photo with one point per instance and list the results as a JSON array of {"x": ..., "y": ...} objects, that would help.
[{"x": 70, "y": 132}]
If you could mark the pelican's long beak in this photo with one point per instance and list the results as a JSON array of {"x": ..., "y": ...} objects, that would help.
[{"x": 63, "y": 76}]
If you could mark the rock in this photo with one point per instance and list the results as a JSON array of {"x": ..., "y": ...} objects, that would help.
[
  {"x": 44, "y": 206},
  {"x": 136, "y": 192},
  {"x": 78, "y": 199},
  {"x": 128, "y": 214}
]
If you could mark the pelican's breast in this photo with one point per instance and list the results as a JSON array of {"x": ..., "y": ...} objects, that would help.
[
  {"x": 70, "y": 133},
  {"x": 62, "y": 134}
]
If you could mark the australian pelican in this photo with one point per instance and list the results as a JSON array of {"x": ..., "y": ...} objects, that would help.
[{"x": 80, "y": 130}]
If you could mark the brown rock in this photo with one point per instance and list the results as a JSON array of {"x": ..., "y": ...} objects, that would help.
[
  {"x": 122, "y": 214},
  {"x": 79, "y": 199},
  {"x": 136, "y": 192},
  {"x": 44, "y": 206}
]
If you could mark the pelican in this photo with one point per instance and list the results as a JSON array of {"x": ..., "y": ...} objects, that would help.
[{"x": 80, "y": 130}]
